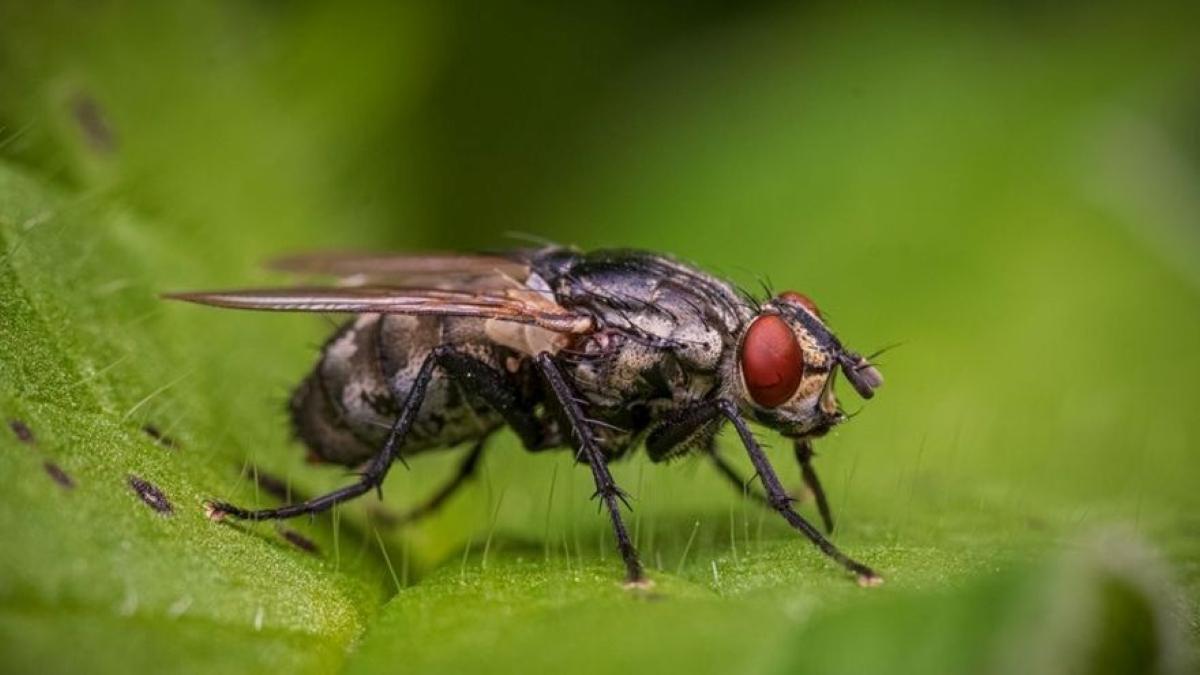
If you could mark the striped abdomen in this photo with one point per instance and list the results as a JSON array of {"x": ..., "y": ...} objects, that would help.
[{"x": 342, "y": 411}]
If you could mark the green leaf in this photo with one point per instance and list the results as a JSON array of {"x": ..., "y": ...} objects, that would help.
[
  {"x": 1100, "y": 610},
  {"x": 89, "y": 361},
  {"x": 1010, "y": 203}
]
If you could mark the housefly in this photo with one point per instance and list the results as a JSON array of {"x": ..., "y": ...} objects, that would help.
[{"x": 601, "y": 352}]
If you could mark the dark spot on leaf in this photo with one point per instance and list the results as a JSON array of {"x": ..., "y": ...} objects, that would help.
[
  {"x": 150, "y": 494},
  {"x": 300, "y": 541},
  {"x": 22, "y": 431},
  {"x": 58, "y": 475},
  {"x": 93, "y": 123},
  {"x": 162, "y": 439}
]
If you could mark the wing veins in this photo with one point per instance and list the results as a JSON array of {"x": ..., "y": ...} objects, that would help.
[{"x": 516, "y": 306}]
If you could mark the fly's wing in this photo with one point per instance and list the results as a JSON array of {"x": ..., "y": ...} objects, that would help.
[
  {"x": 514, "y": 305},
  {"x": 431, "y": 270}
]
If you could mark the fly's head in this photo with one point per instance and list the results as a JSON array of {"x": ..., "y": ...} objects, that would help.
[{"x": 787, "y": 361}]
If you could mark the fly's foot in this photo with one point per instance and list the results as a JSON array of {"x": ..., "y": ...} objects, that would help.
[
  {"x": 217, "y": 511},
  {"x": 640, "y": 585},
  {"x": 213, "y": 511},
  {"x": 869, "y": 579}
]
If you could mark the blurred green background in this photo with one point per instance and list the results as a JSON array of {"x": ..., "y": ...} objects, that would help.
[{"x": 1008, "y": 190}]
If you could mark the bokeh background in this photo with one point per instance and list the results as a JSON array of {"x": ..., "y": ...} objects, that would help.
[{"x": 1008, "y": 191}]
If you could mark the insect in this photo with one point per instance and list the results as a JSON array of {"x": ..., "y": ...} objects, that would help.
[{"x": 601, "y": 352}]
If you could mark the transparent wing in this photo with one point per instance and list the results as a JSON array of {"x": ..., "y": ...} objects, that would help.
[
  {"x": 515, "y": 305},
  {"x": 432, "y": 270}
]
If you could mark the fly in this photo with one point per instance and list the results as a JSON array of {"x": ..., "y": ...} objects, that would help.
[{"x": 601, "y": 352}]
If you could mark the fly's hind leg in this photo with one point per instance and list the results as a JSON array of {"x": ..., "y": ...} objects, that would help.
[
  {"x": 370, "y": 478},
  {"x": 589, "y": 451},
  {"x": 465, "y": 470},
  {"x": 476, "y": 378}
]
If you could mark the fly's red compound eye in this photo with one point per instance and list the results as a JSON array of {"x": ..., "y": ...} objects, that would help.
[
  {"x": 772, "y": 363},
  {"x": 802, "y": 300}
]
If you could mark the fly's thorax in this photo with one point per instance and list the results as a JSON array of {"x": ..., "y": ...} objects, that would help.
[
  {"x": 609, "y": 369},
  {"x": 649, "y": 297}
]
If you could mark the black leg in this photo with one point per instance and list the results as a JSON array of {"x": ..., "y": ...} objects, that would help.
[
  {"x": 804, "y": 455},
  {"x": 490, "y": 385},
  {"x": 782, "y": 503},
  {"x": 740, "y": 483},
  {"x": 683, "y": 430},
  {"x": 465, "y": 470},
  {"x": 684, "y": 427},
  {"x": 590, "y": 452},
  {"x": 475, "y": 377},
  {"x": 481, "y": 380},
  {"x": 698, "y": 425},
  {"x": 371, "y": 477}
]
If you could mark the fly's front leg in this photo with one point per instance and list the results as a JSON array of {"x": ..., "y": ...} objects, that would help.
[
  {"x": 685, "y": 424},
  {"x": 589, "y": 451},
  {"x": 782, "y": 503},
  {"x": 804, "y": 455},
  {"x": 732, "y": 475},
  {"x": 682, "y": 428}
]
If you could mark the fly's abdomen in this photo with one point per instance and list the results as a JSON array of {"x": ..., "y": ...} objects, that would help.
[
  {"x": 345, "y": 407},
  {"x": 339, "y": 411},
  {"x": 322, "y": 427}
]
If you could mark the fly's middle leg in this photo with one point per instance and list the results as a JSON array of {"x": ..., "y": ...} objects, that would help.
[{"x": 589, "y": 451}]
